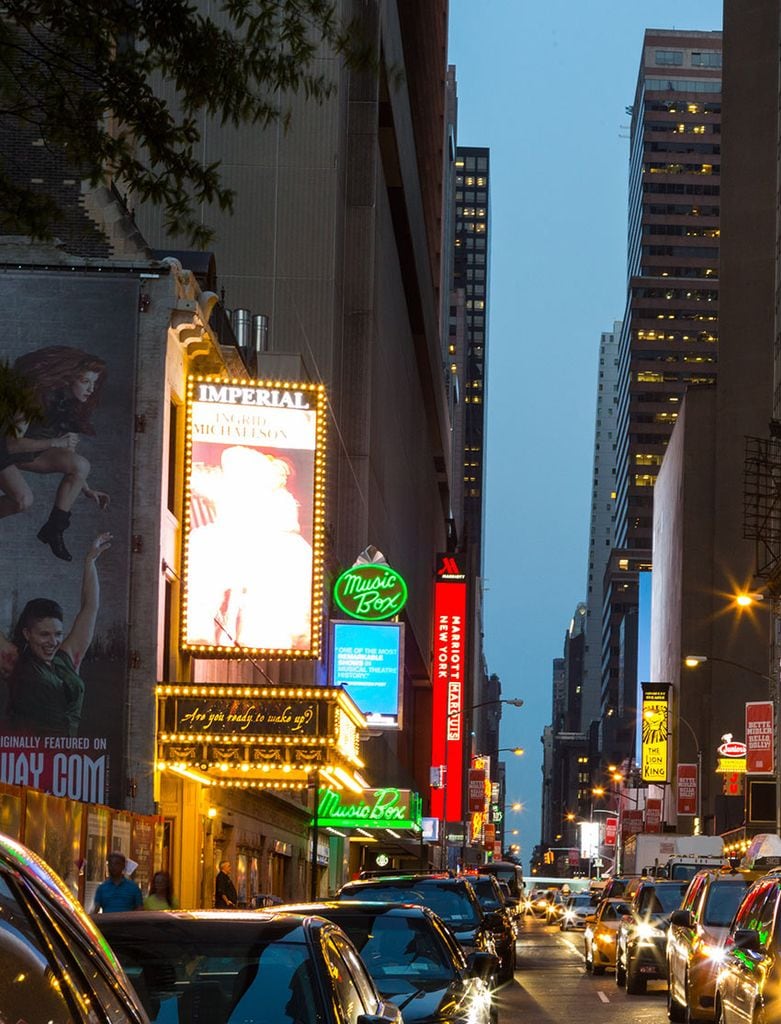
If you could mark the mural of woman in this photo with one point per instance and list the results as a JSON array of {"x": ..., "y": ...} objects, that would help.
[
  {"x": 67, "y": 383},
  {"x": 46, "y": 689}
]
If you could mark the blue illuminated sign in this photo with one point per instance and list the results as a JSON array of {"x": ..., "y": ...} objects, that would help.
[{"x": 367, "y": 659}]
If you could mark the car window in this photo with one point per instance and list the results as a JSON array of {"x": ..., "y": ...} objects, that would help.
[
  {"x": 28, "y": 979},
  {"x": 722, "y": 900},
  {"x": 399, "y": 947},
  {"x": 693, "y": 894},
  {"x": 232, "y": 976},
  {"x": 359, "y": 974},
  {"x": 747, "y": 911},
  {"x": 662, "y": 899},
  {"x": 766, "y": 913},
  {"x": 346, "y": 990}
]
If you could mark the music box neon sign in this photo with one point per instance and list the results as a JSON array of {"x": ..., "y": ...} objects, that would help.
[{"x": 370, "y": 592}]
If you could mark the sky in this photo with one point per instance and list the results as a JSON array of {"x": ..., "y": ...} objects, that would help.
[{"x": 545, "y": 86}]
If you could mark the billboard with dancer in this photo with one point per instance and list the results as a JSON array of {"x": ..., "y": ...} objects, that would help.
[{"x": 66, "y": 406}]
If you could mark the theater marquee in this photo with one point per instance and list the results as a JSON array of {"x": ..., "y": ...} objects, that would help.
[
  {"x": 253, "y": 518},
  {"x": 259, "y": 737}
]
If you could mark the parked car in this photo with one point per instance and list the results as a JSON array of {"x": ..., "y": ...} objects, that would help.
[
  {"x": 599, "y": 938},
  {"x": 501, "y": 919},
  {"x": 244, "y": 967},
  {"x": 53, "y": 961},
  {"x": 511, "y": 874},
  {"x": 452, "y": 899},
  {"x": 747, "y": 985},
  {"x": 695, "y": 943},
  {"x": 414, "y": 960},
  {"x": 641, "y": 948},
  {"x": 539, "y": 900},
  {"x": 578, "y": 907}
]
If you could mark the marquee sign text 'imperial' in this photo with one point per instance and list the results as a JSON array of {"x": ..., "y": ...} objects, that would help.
[{"x": 269, "y": 398}]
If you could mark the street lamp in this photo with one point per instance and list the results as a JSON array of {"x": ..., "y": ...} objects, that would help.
[
  {"x": 694, "y": 660},
  {"x": 518, "y": 751}
]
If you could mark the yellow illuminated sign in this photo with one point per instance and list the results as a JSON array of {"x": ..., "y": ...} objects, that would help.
[
  {"x": 254, "y": 516},
  {"x": 655, "y": 732}
]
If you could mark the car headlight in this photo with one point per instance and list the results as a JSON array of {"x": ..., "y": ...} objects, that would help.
[
  {"x": 646, "y": 931},
  {"x": 715, "y": 954},
  {"x": 607, "y": 938}
]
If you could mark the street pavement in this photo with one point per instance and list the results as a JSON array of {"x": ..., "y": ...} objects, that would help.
[{"x": 551, "y": 986}]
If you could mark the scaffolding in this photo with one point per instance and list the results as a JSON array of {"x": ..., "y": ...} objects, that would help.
[{"x": 762, "y": 507}]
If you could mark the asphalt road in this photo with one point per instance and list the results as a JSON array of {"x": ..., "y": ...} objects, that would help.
[{"x": 551, "y": 986}]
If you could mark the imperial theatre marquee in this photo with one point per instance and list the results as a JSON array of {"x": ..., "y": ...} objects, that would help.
[
  {"x": 253, "y": 518},
  {"x": 259, "y": 737}
]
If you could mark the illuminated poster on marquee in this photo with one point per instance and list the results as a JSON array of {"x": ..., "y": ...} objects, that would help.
[
  {"x": 447, "y": 740},
  {"x": 253, "y": 537},
  {"x": 656, "y": 732}
]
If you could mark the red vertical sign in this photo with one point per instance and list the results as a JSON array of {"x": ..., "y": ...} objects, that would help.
[
  {"x": 611, "y": 827},
  {"x": 686, "y": 788},
  {"x": 653, "y": 815},
  {"x": 759, "y": 737},
  {"x": 447, "y": 738}
]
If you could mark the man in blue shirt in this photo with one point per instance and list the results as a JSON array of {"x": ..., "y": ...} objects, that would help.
[{"x": 117, "y": 892}]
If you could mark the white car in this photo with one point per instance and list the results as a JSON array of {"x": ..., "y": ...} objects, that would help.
[{"x": 577, "y": 908}]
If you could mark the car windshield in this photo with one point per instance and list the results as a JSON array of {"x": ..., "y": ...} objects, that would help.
[
  {"x": 581, "y": 899},
  {"x": 450, "y": 903},
  {"x": 723, "y": 900},
  {"x": 392, "y": 946},
  {"x": 486, "y": 893},
  {"x": 663, "y": 899},
  {"x": 226, "y": 975}
]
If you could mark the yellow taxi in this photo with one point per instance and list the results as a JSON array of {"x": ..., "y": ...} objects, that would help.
[
  {"x": 695, "y": 942},
  {"x": 599, "y": 938}
]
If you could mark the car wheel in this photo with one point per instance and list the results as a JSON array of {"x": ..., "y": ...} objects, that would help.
[
  {"x": 675, "y": 1011},
  {"x": 589, "y": 962},
  {"x": 636, "y": 984},
  {"x": 720, "y": 1018},
  {"x": 598, "y": 968}
]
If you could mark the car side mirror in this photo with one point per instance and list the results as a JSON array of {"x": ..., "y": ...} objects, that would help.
[
  {"x": 590, "y": 918},
  {"x": 482, "y": 965},
  {"x": 387, "y": 1013},
  {"x": 494, "y": 921},
  {"x": 746, "y": 938},
  {"x": 682, "y": 918}
]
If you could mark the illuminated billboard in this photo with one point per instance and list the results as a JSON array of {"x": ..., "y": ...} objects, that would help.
[
  {"x": 447, "y": 738},
  {"x": 367, "y": 660},
  {"x": 656, "y": 732},
  {"x": 254, "y": 511}
]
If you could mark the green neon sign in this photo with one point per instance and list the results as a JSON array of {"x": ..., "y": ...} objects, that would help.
[
  {"x": 376, "y": 808},
  {"x": 370, "y": 592}
]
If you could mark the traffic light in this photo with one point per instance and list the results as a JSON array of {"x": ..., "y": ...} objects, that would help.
[{"x": 548, "y": 857}]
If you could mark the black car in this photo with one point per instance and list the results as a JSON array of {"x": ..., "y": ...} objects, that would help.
[
  {"x": 244, "y": 967},
  {"x": 414, "y": 960},
  {"x": 53, "y": 962},
  {"x": 501, "y": 919},
  {"x": 452, "y": 899},
  {"x": 641, "y": 947}
]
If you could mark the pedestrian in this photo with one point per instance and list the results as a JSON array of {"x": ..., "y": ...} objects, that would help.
[
  {"x": 161, "y": 895},
  {"x": 225, "y": 895},
  {"x": 118, "y": 892}
]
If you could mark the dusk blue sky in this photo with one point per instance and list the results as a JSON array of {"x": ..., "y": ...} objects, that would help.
[{"x": 545, "y": 87}]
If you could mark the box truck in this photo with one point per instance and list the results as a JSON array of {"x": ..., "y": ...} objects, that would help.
[{"x": 668, "y": 855}]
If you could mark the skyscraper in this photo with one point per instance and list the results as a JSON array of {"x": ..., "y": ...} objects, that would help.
[
  {"x": 670, "y": 332},
  {"x": 669, "y": 335}
]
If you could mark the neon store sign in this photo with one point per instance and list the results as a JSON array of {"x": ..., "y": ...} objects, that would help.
[
  {"x": 376, "y": 808},
  {"x": 370, "y": 592}
]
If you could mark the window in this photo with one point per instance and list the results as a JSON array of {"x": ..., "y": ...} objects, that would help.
[
  {"x": 669, "y": 58},
  {"x": 706, "y": 59}
]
